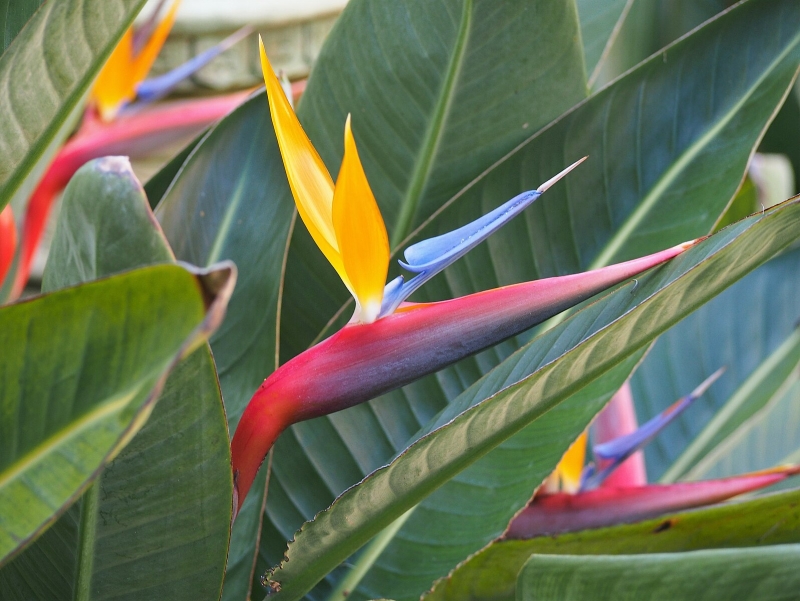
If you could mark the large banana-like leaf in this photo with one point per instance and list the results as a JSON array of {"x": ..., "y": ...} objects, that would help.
[
  {"x": 739, "y": 329},
  {"x": 554, "y": 366},
  {"x": 231, "y": 200},
  {"x": 157, "y": 517},
  {"x": 82, "y": 369},
  {"x": 492, "y": 573},
  {"x": 438, "y": 91},
  {"x": 742, "y": 574},
  {"x": 44, "y": 76},
  {"x": 319, "y": 459}
]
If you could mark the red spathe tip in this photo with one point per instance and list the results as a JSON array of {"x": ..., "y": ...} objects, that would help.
[{"x": 560, "y": 513}]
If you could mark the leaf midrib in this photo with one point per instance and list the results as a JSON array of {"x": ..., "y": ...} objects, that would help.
[
  {"x": 433, "y": 134},
  {"x": 632, "y": 222},
  {"x": 55, "y": 441}
]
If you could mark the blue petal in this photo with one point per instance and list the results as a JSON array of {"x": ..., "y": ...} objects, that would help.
[
  {"x": 619, "y": 449},
  {"x": 158, "y": 87},
  {"x": 437, "y": 253},
  {"x": 429, "y": 257}
]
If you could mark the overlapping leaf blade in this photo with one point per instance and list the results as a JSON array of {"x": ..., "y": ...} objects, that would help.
[
  {"x": 230, "y": 200},
  {"x": 720, "y": 333},
  {"x": 492, "y": 573},
  {"x": 82, "y": 369},
  {"x": 746, "y": 574},
  {"x": 600, "y": 21},
  {"x": 158, "y": 519}
]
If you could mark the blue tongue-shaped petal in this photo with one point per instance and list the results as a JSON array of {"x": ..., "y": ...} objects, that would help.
[
  {"x": 157, "y": 87},
  {"x": 619, "y": 449},
  {"x": 429, "y": 257},
  {"x": 436, "y": 253}
]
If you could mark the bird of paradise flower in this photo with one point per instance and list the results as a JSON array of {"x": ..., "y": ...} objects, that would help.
[{"x": 389, "y": 342}]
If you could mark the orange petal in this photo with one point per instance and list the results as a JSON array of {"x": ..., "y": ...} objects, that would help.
[
  {"x": 114, "y": 84},
  {"x": 571, "y": 465},
  {"x": 311, "y": 184},
  {"x": 143, "y": 61},
  {"x": 360, "y": 232}
]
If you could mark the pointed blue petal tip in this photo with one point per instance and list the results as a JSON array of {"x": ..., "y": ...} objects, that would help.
[
  {"x": 619, "y": 449},
  {"x": 429, "y": 257},
  {"x": 157, "y": 87}
]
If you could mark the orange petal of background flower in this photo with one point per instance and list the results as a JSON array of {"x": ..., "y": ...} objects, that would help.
[
  {"x": 311, "y": 184},
  {"x": 143, "y": 62},
  {"x": 115, "y": 84},
  {"x": 360, "y": 232},
  {"x": 570, "y": 467}
]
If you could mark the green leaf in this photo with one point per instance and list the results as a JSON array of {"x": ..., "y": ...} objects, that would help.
[
  {"x": 438, "y": 91},
  {"x": 767, "y": 439},
  {"x": 750, "y": 397},
  {"x": 158, "y": 516},
  {"x": 562, "y": 233},
  {"x": 82, "y": 369},
  {"x": 764, "y": 573},
  {"x": 57, "y": 55},
  {"x": 492, "y": 573},
  {"x": 475, "y": 507},
  {"x": 739, "y": 329},
  {"x": 14, "y": 14},
  {"x": 558, "y": 364},
  {"x": 230, "y": 200},
  {"x": 157, "y": 186},
  {"x": 600, "y": 22},
  {"x": 782, "y": 136},
  {"x": 105, "y": 226}
]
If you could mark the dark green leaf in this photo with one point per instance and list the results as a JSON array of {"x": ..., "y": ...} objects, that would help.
[
  {"x": 783, "y": 136},
  {"x": 13, "y": 16}
]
